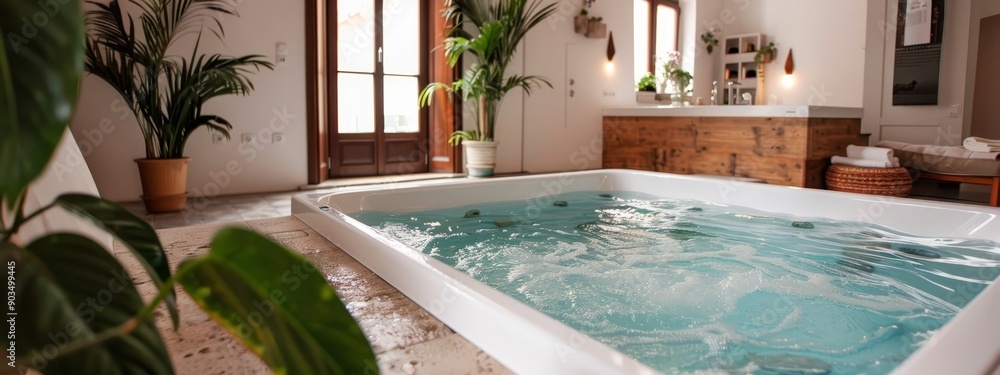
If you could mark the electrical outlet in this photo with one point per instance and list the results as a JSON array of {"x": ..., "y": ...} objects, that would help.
[
  {"x": 246, "y": 138},
  {"x": 281, "y": 53},
  {"x": 954, "y": 111},
  {"x": 218, "y": 138},
  {"x": 609, "y": 94},
  {"x": 277, "y": 137}
]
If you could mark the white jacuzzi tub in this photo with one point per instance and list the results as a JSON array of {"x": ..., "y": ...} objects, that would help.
[{"x": 529, "y": 342}]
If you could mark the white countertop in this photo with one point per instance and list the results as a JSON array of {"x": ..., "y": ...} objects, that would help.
[{"x": 735, "y": 111}]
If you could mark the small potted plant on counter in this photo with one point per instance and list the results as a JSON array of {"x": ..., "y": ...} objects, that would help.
[
  {"x": 646, "y": 89},
  {"x": 681, "y": 79}
]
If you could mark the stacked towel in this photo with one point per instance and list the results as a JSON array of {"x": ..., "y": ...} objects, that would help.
[
  {"x": 869, "y": 157},
  {"x": 948, "y": 151},
  {"x": 978, "y": 144}
]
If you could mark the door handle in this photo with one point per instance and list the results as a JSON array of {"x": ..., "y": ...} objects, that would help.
[
  {"x": 380, "y": 55},
  {"x": 572, "y": 93}
]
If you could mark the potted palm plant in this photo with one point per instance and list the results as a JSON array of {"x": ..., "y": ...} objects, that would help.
[
  {"x": 501, "y": 25},
  {"x": 166, "y": 92}
]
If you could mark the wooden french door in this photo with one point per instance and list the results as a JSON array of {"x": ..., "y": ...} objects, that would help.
[{"x": 377, "y": 127}]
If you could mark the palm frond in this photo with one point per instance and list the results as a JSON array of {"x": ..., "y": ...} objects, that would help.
[{"x": 167, "y": 93}]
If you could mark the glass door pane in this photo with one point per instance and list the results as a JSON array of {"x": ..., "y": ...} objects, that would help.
[
  {"x": 401, "y": 39},
  {"x": 641, "y": 32},
  {"x": 666, "y": 30},
  {"x": 401, "y": 107},
  {"x": 355, "y": 103},
  {"x": 356, "y": 35}
]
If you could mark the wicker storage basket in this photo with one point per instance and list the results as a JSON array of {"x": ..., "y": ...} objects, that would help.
[{"x": 894, "y": 182}]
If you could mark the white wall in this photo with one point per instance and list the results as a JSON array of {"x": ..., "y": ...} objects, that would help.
[
  {"x": 110, "y": 139},
  {"x": 697, "y": 17},
  {"x": 923, "y": 124},
  {"x": 827, "y": 39},
  {"x": 563, "y": 133}
]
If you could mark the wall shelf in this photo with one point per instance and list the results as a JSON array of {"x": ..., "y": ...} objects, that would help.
[{"x": 738, "y": 64}]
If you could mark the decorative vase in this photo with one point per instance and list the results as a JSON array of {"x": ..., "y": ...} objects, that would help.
[
  {"x": 680, "y": 98},
  {"x": 661, "y": 87},
  {"x": 164, "y": 183},
  {"x": 480, "y": 158},
  {"x": 580, "y": 24}
]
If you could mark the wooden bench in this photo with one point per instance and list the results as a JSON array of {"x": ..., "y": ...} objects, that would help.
[{"x": 993, "y": 182}]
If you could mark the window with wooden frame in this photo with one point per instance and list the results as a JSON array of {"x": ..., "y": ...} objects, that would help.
[{"x": 656, "y": 32}]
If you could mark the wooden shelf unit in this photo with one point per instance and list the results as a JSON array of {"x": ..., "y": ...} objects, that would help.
[{"x": 738, "y": 64}]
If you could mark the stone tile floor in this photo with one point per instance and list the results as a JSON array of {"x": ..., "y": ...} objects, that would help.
[{"x": 224, "y": 209}]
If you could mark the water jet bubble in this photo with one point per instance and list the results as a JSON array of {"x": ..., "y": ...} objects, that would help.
[
  {"x": 803, "y": 224},
  {"x": 471, "y": 213},
  {"x": 696, "y": 209},
  {"x": 792, "y": 364},
  {"x": 605, "y": 195},
  {"x": 560, "y": 204},
  {"x": 504, "y": 223},
  {"x": 856, "y": 264},
  {"x": 923, "y": 253}
]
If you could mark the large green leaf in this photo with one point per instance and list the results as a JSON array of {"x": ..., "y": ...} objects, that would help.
[
  {"x": 278, "y": 304},
  {"x": 41, "y": 58},
  {"x": 70, "y": 289},
  {"x": 134, "y": 232}
]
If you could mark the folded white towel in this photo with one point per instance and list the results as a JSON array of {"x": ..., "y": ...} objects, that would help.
[
  {"x": 870, "y": 153},
  {"x": 867, "y": 163},
  {"x": 981, "y": 140},
  {"x": 978, "y": 144},
  {"x": 895, "y": 162},
  {"x": 948, "y": 151},
  {"x": 980, "y": 148}
]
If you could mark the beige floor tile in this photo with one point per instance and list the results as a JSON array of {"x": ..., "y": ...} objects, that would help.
[{"x": 451, "y": 354}]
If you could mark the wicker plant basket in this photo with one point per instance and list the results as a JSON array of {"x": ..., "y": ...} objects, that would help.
[{"x": 895, "y": 182}]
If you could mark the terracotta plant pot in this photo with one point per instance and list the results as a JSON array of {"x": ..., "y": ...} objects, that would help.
[
  {"x": 580, "y": 24},
  {"x": 480, "y": 158},
  {"x": 597, "y": 29},
  {"x": 164, "y": 183}
]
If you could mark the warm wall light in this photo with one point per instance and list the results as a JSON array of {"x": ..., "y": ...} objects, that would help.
[
  {"x": 789, "y": 80},
  {"x": 611, "y": 46},
  {"x": 789, "y": 63}
]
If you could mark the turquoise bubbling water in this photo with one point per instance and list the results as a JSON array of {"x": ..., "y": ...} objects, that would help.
[{"x": 686, "y": 286}]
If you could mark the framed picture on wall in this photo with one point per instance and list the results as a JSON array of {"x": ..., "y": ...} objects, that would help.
[{"x": 919, "y": 36}]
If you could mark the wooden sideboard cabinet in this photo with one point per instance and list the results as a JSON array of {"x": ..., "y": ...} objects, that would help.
[{"x": 792, "y": 151}]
